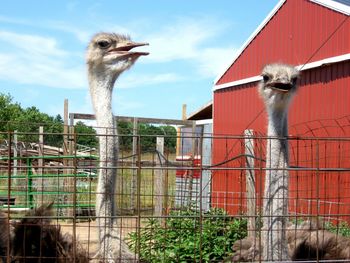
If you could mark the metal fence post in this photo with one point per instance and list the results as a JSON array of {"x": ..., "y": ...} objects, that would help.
[{"x": 30, "y": 198}]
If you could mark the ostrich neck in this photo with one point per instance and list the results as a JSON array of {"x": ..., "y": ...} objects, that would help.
[
  {"x": 276, "y": 187},
  {"x": 277, "y": 131},
  {"x": 101, "y": 88}
]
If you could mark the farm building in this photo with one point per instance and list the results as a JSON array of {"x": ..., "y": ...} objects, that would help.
[{"x": 313, "y": 35}]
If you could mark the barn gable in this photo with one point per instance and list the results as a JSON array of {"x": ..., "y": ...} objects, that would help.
[
  {"x": 314, "y": 35},
  {"x": 323, "y": 23}
]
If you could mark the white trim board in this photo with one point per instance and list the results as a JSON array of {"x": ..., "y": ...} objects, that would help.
[
  {"x": 302, "y": 67},
  {"x": 341, "y": 8},
  {"x": 202, "y": 122}
]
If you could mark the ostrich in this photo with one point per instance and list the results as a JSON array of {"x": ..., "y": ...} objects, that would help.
[
  {"x": 4, "y": 237},
  {"x": 276, "y": 89},
  {"x": 108, "y": 55},
  {"x": 281, "y": 240},
  {"x": 34, "y": 239},
  {"x": 307, "y": 241}
]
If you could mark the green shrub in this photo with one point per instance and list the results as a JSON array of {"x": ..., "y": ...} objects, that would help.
[
  {"x": 188, "y": 237},
  {"x": 342, "y": 228}
]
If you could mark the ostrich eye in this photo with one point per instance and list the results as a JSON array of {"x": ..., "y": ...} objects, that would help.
[
  {"x": 266, "y": 78},
  {"x": 294, "y": 80},
  {"x": 104, "y": 44}
]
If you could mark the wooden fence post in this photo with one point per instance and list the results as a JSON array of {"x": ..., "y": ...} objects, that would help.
[
  {"x": 15, "y": 155},
  {"x": 40, "y": 166},
  {"x": 134, "y": 170},
  {"x": 159, "y": 179},
  {"x": 67, "y": 150},
  {"x": 15, "y": 152},
  {"x": 71, "y": 181},
  {"x": 250, "y": 182},
  {"x": 191, "y": 174}
]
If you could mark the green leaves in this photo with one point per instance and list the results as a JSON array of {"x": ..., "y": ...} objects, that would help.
[
  {"x": 341, "y": 228},
  {"x": 27, "y": 121},
  {"x": 148, "y": 133},
  {"x": 189, "y": 236}
]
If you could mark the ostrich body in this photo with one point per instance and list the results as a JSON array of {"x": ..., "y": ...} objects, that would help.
[
  {"x": 307, "y": 241},
  {"x": 108, "y": 55},
  {"x": 34, "y": 239},
  {"x": 277, "y": 88}
]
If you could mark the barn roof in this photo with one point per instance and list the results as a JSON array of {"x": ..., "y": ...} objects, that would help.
[
  {"x": 203, "y": 113},
  {"x": 301, "y": 67},
  {"x": 341, "y": 6}
]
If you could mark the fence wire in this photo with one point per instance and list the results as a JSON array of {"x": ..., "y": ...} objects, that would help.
[{"x": 172, "y": 206}]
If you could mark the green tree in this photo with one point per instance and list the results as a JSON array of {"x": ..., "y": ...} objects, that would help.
[
  {"x": 9, "y": 113},
  {"x": 148, "y": 134},
  {"x": 125, "y": 131},
  {"x": 85, "y": 135},
  {"x": 27, "y": 121}
]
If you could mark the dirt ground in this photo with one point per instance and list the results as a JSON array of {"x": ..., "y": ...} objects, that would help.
[{"x": 87, "y": 235}]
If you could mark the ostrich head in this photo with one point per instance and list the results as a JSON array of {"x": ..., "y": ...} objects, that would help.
[
  {"x": 278, "y": 85},
  {"x": 110, "y": 54}
]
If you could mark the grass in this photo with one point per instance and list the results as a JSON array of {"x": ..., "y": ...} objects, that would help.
[{"x": 127, "y": 189}]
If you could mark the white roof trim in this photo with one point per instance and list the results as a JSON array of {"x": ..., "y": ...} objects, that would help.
[
  {"x": 302, "y": 67},
  {"x": 324, "y": 62},
  {"x": 328, "y": 3},
  {"x": 206, "y": 121},
  {"x": 237, "y": 83},
  {"x": 339, "y": 7}
]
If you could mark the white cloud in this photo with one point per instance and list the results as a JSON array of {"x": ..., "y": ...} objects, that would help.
[
  {"x": 141, "y": 80},
  {"x": 35, "y": 45},
  {"x": 190, "y": 40},
  {"x": 213, "y": 60},
  {"x": 40, "y": 60},
  {"x": 37, "y": 60},
  {"x": 181, "y": 40},
  {"x": 83, "y": 35}
]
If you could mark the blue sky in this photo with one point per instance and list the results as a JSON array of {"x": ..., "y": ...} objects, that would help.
[{"x": 42, "y": 49}]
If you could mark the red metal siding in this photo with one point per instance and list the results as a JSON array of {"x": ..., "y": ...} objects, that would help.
[
  {"x": 321, "y": 108},
  {"x": 300, "y": 32}
]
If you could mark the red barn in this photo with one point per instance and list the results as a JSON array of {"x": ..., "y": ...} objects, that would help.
[{"x": 315, "y": 36}]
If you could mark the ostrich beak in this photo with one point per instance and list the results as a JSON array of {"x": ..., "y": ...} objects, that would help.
[
  {"x": 124, "y": 50},
  {"x": 281, "y": 86}
]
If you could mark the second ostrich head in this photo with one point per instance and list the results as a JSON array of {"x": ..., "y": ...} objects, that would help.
[{"x": 278, "y": 85}]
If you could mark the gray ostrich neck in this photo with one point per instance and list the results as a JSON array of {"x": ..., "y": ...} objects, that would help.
[
  {"x": 277, "y": 131},
  {"x": 276, "y": 187},
  {"x": 101, "y": 87}
]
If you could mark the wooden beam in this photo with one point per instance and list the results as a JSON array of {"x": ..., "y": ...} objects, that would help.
[{"x": 83, "y": 116}]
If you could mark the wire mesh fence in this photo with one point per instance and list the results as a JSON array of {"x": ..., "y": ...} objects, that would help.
[{"x": 202, "y": 205}]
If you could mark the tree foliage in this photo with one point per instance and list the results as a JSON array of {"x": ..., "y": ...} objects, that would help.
[
  {"x": 148, "y": 134},
  {"x": 27, "y": 121},
  {"x": 86, "y": 135}
]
